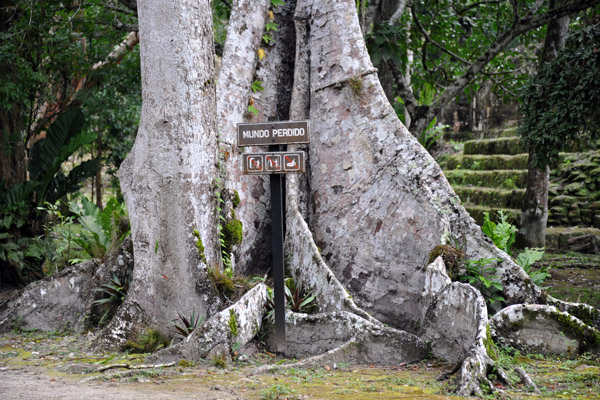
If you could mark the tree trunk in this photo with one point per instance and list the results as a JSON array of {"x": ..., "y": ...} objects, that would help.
[
  {"x": 534, "y": 214},
  {"x": 377, "y": 203},
  {"x": 381, "y": 203},
  {"x": 167, "y": 178},
  {"x": 240, "y": 60}
]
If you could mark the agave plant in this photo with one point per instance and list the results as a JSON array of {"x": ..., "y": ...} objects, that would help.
[
  {"x": 185, "y": 326},
  {"x": 113, "y": 294}
]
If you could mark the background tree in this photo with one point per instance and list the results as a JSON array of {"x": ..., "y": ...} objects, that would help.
[
  {"x": 56, "y": 58},
  {"x": 534, "y": 214},
  {"x": 458, "y": 46},
  {"x": 559, "y": 110}
]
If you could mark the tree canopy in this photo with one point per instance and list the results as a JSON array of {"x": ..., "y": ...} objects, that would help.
[
  {"x": 457, "y": 46},
  {"x": 560, "y": 103}
]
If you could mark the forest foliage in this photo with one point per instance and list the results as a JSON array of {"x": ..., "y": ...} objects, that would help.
[{"x": 68, "y": 109}]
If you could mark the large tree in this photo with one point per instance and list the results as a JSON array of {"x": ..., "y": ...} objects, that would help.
[
  {"x": 168, "y": 178},
  {"x": 362, "y": 224}
]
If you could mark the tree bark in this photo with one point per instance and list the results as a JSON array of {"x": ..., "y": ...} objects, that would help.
[
  {"x": 167, "y": 178},
  {"x": 240, "y": 60},
  {"x": 534, "y": 214},
  {"x": 380, "y": 202}
]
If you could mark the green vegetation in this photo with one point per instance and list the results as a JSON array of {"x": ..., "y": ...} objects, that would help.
[
  {"x": 560, "y": 103},
  {"x": 452, "y": 258},
  {"x": 233, "y": 324},
  {"x": 527, "y": 258},
  {"x": 430, "y": 135},
  {"x": 481, "y": 274},
  {"x": 187, "y": 324},
  {"x": 199, "y": 245},
  {"x": 149, "y": 341},
  {"x": 219, "y": 361},
  {"x": 232, "y": 233},
  {"x": 356, "y": 85},
  {"x": 502, "y": 233},
  {"x": 278, "y": 392},
  {"x": 112, "y": 294}
]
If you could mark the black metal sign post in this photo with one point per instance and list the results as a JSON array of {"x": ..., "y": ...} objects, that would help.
[
  {"x": 276, "y": 163},
  {"x": 277, "y": 249}
]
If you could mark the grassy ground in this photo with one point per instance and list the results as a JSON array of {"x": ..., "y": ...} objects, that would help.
[
  {"x": 65, "y": 359},
  {"x": 575, "y": 277}
]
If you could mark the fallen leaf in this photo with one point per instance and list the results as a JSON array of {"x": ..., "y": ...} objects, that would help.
[
  {"x": 327, "y": 368},
  {"x": 261, "y": 54}
]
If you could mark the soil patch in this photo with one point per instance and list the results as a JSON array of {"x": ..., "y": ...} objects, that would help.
[{"x": 36, "y": 365}]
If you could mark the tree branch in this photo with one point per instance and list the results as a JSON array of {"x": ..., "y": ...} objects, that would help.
[
  {"x": 131, "y": 4},
  {"x": 398, "y": 13},
  {"x": 500, "y": 85},
  {"x": 433, "y": 42},
  {"x": 410, "y": 103},
  {"x": 521, "y": 26},
  {"x": 477, "y": 4}
]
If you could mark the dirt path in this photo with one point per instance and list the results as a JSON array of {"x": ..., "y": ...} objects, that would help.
[
  {"x": 33, "y": 384},
  {"x": 36, "y": 366}
]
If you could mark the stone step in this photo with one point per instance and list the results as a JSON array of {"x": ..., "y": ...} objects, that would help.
[
  {"x": 491, "y": 197},
  {"x": 505, "y": 178},
  {"x": 476, "y": 211},
  {"x": 485, "y": 162},
  {"x": 487, "y": 134},
  {"x": 504, "y": 145},
  {"x": 556, "y": 237}
]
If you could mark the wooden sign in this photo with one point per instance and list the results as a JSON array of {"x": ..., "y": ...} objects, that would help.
[{"x": 269, "y": 133}]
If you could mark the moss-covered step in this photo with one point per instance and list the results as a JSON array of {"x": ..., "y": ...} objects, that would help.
[
  {"x": 506, "y": 145},
  {"x": 476, "y": 211},
  {"x": 557, "y": 237},
  {"x": 501, "y": 178},
  {"x": 491, "y": 197},
  {"x": 480, "y": 162}
]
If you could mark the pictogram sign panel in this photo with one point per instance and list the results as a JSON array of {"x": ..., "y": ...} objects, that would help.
[{"x": 275, "y": 162}]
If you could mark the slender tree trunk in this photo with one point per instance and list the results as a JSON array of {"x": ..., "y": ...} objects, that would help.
[
  {"x": 534, "y": 214},
  {"x": 98, "y": 179},
  {"x": 168, "y": 177}
]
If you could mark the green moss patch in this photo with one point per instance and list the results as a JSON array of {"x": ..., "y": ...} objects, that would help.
[{"x": 505, "y": 145}]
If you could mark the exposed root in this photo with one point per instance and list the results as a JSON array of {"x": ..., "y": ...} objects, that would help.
[
  {"x": 343, "y": 337},
  {"x": 526, "y": 380},
  {"x": 237, "y": 325},
  {"x": 307, "y": 265},
  {"x": 129, "y": 366}
]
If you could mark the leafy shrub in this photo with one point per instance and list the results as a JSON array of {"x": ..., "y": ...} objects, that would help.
[
  {"x": 502, "y": 234},
  {"x": 432, "y": 134},
  {"x": 560, "y": 103},
  {"x": 482, "y": 276},
  {"x": 186, "y": 325},
  {"x": 529, "y": 257},
  {"x": 20, "y": 255},
  {"x": 101, "y": 229}
]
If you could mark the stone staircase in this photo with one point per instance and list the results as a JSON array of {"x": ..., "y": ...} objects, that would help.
[{"x": 490, "y": 174}]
